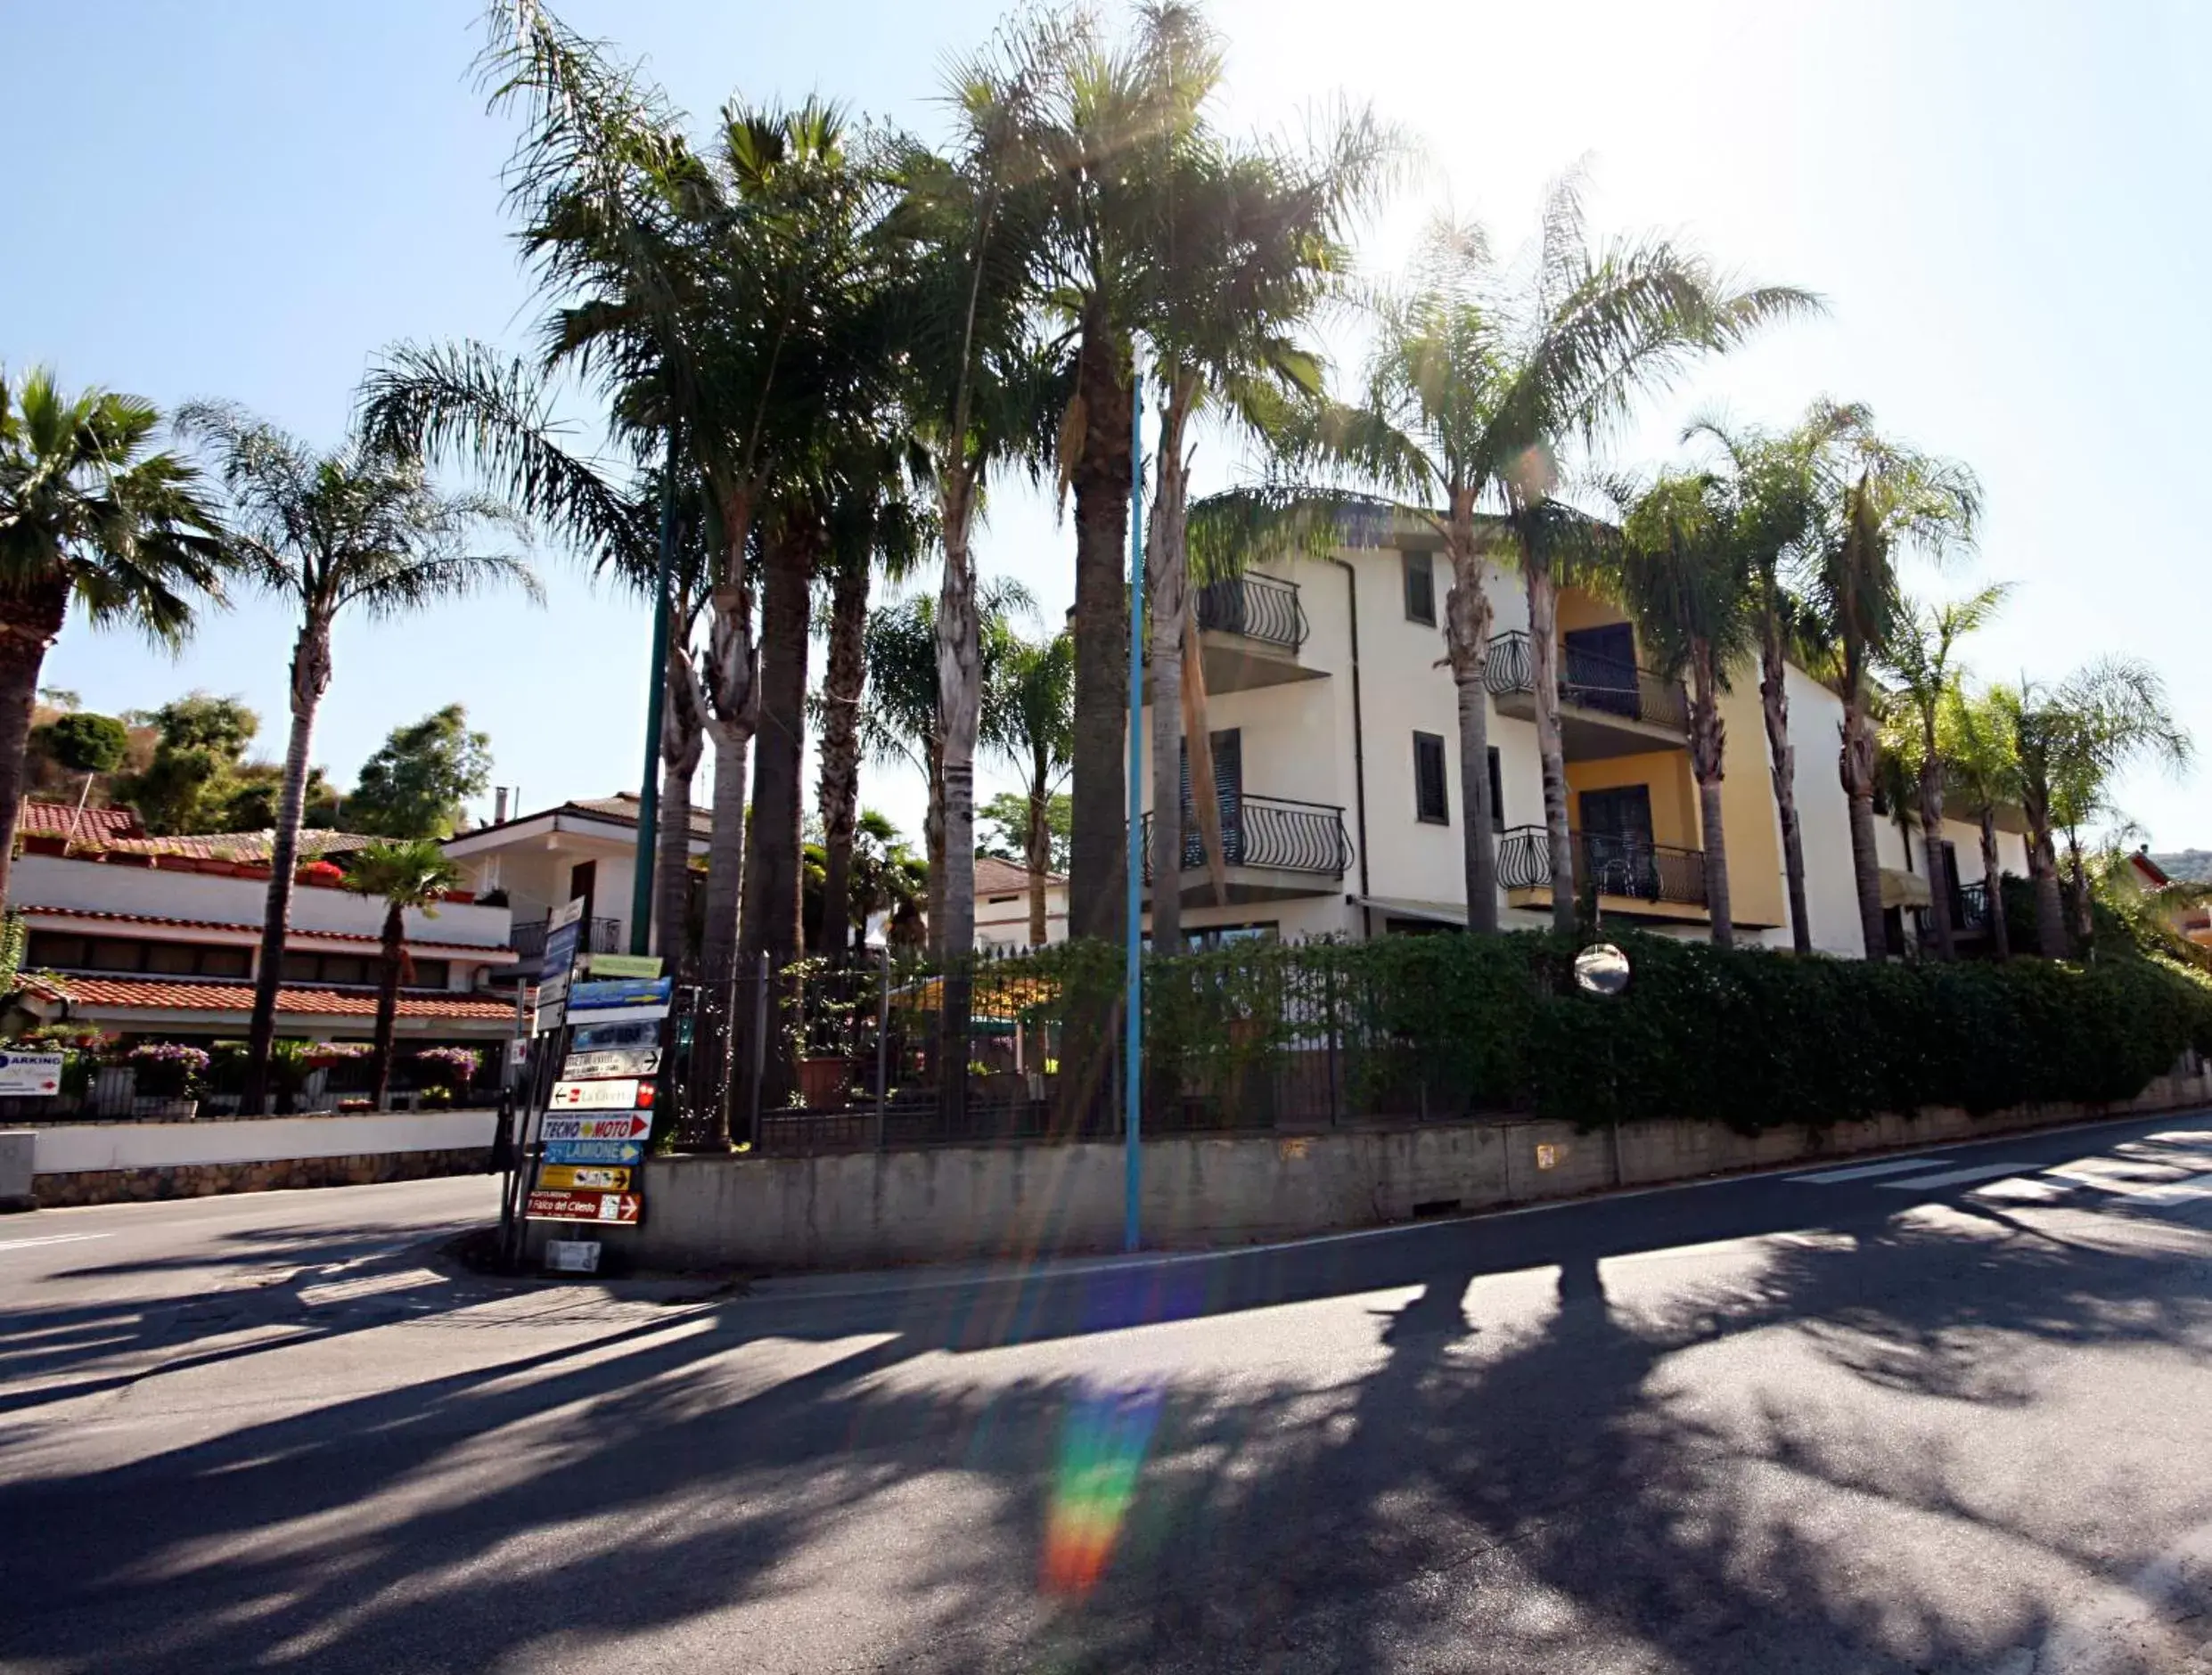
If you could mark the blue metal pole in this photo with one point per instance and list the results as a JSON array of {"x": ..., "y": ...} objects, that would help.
[{"x": 1133, "y": 1030}]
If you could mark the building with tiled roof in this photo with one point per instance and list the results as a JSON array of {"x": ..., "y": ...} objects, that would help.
[
  {"x": 1001, "y": 904},
  {"x": 89, "y": 825}
]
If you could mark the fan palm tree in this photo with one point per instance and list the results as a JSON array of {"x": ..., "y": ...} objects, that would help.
[
  {"x": 1695, "y": 606},
  {"x": 2072, "y": 740},
  {"x": 411, "y": 874},
  {"x": 1879, "y": 498},
  {"x": 1920, "y": 664},
  {"x": 1976, "y": 744},
  {"x": 90, "y": 512},
  {"x": 1774, "y": 490},
  {"x": 355, "y": 531},
  {"x": 1028, "y": 717}
]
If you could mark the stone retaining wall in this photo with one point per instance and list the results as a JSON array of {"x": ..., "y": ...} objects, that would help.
[{"x": 193, "y": 1180}]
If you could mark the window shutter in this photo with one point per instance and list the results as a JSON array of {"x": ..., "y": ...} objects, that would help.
[
  {"x": 1420, "y": 588},
  {"x": 1497, "y": 793},
  {"x": 1431, "y": 800}
]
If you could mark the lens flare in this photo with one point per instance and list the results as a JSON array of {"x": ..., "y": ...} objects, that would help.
[{"x": 1101, "y": 1452}]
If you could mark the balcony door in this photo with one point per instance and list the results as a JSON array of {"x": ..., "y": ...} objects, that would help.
[
  {"x": 1228, "y": 749},
  {"x": 1598, "y": 669},
  {"x": 1617, "y": 844},
  {"x": 583, "y": 881}
]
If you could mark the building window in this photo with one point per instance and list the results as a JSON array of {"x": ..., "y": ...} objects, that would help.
[
  {"x": 59, "y": 951},
  {"x": 226, "y": 962},
  {"x": 433, "y": 974},
  {"x": 1421, "y": 587},
  {"x": 1497, "y": 793},
  {"x": 1432, "y": 804}
]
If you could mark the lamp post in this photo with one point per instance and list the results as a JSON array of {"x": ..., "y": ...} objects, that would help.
[
  {"x": 655, "y": 694},
  {"x": 1133, "y": 1028}
]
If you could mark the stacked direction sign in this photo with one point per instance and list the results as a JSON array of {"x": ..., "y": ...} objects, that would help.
[{"x": 599, "y": 1114}]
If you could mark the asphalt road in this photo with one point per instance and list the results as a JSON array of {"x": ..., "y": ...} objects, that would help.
[{"x": 1945, "y": 1413}]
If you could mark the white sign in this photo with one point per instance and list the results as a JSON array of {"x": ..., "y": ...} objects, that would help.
[
  {"x": 23, "y": 1073},
  {"x": 552, "y": 987},
  {"x": 618, "y": 1095},
  {"x": 568, "y": 915}
]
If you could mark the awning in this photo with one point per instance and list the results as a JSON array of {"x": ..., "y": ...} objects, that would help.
[
  {"x": 1431, "y": 912},
  {"x": 1900, "y": 888}
]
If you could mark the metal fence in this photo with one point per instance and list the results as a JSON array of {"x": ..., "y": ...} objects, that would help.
[{"x": 1589, "y": 680}]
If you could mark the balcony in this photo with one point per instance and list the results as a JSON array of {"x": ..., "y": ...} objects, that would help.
[
  {"x": 1635, "y": 878},
  {"x": 1276, "y": 848},
  {"x": 1606, "y": 707},
  {"x": 1251, "y": 630},
  {"x": 594, "y": 937}
]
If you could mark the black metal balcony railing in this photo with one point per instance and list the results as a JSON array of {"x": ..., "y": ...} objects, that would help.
[
  {"x": 1268, "y": 832},
  {"x": 1632, "y": 866},
  {"x": 1587, "y": 680},
  {"x": 598, "y": 936},
  {"x": 1256, "y": 606},
  {"x": 1970, "y": 905}
]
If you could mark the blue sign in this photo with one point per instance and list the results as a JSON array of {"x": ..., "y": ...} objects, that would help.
[
  {"x": 595, "y": 1151},
  {"x": 613, "y": 992}
]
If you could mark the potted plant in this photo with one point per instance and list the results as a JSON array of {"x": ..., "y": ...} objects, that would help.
[
  {"x": 170, "y": 1076},
  {"x": 83, "y": 1050},
  {"x": 446, "y": 1073}
]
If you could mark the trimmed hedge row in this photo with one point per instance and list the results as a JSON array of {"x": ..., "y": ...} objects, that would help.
[{"x": 1749, "y": 1037}]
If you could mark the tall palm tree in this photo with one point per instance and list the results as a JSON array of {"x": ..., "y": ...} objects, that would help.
[
  {"x": 2072, "y": 740},
  {"x": 1976, "y": 741},
  {"x": 90, "y": 512},
  {"x": 1695, "y": 604},
  {"x": 1028, "y": 717},
  {"x": 1920, "y": 664},
  {"x": 1774, "y": 490},
  {"x": 358, "y": 530},
  {"x": 412, "y": 873},
  {"x": 1879, "y": 498}
]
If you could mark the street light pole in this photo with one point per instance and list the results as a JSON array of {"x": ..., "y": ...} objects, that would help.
[
  {"x": 1133, "y": 1028},
  {"x": 648, "y": 787}
]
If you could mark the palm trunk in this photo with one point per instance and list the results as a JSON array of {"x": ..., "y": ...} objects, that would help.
[
  {"x": 933, "y": 852},
  {"x": 1167, "y": 581},
  {"x": 2043, "y": 869},
  {"x": 2000, "y": 935},
  {"x": 387, "y": 1004},
  {"x": 2084, "y": 917},
  {"x": 1856, "y": 767},
  {"x": 1097, "y": 866},
  {"x": 29, "y": 623},
  {"x": 1782, "y": 756},
  {"x": 768, "y": 911},
  {"x": 1708, "y": 762},
  {"x": 731, "y": 702},
  {"x": 1039, "y": 850},
  {"x": 839, "y": 788},
  {"x": 310, "y": 679},
  {"x": 683, "y": 735},
  {"x": 1543, "y": 660},
  {"x": 1467, "y": 615},
  {"x": 959, "y": 711},
  {"x": 1931, "y": 840}
]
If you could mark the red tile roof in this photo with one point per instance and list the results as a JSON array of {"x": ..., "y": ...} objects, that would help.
[
  {"x": 99, "y": 825},
  {"x": 104, "y": 916},
  {"x": 243, "y": 845},
  {"x": 227, "y": 997},
  {"x": 994, "y": 877}
]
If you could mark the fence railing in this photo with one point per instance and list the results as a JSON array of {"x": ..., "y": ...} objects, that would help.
[
  {"x": 597, "y": 937},
  {"x": 1629, "y": 867},
  {"x": 1256, "y": 606},
  {"x": 1279, "y": 832},
  {"x": 1589, "y": 681}
]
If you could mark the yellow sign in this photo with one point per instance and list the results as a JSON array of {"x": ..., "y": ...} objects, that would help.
[
  {"x": 582, "y": 1178},
  {"x": 623, "y": 965}
]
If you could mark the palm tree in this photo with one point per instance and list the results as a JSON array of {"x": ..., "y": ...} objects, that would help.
[
  {"x": 357, "y": 530},
  {"x": 1774, "y": 484},
  {"x": 2072, "y": 741},
  {"x": 1977, "y": 746},
  {"x": 1028, "y": 717},
  {"x": 1879, "y": 498},
  {"x": 1918, "y": 661},
  {"x": 90, "y": 512},
  {"x": 411, "y": 873},
  {"x": 1695, "y": 603}
]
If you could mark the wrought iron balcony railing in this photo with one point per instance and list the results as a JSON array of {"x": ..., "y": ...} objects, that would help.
[
  {"x": 596, "y": 936},
  {"x": 1268, "y": 832},
  {"x": 1630, "y": 867},
  {"x": 1256, "y": 606},
  {"x": 1589, "y": 681}
]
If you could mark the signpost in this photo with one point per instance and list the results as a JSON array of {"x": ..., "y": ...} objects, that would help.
[
  {"x": 623, "y": 965},
  {"x": 629, "y": 1125},
  {"x": 595, "y": 1151},
  {"x": 625, "y": 1094},
  {"x": 584, "y": 1178},
  {"x": 30, "y": 1074},
  {"x": 619, "y": 1209},
  {"x": 621, "y": 1061}
]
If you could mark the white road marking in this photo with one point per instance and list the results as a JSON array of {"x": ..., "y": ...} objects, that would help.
[
  {"x": 1958, "y": 1177},
  {"x": 1862, "y": 1171},
  {"x": 50, "y": 1238}
]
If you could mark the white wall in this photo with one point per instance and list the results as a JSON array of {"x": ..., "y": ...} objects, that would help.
[
  {"x": 1824, "y": 817},
  {"x": 74, "y": 1147}
]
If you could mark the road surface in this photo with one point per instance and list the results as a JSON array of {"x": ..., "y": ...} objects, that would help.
[{"x": 1943, "y": 1413}]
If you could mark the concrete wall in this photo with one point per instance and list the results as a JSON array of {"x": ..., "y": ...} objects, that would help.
[
  {"x": 953, "y": 1202},
  {"x": 15, "y": 1169},
  {"x": 68, "y": 1149},
  {"x": 1824, "y": 816}
]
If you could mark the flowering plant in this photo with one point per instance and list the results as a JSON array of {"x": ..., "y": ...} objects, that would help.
[
  {"x": 322, "y": 873},
  {"x": 168, "y": 1069},
  {"x": 449, "y": 1066},
  {"x": 324, "y": 1055}
]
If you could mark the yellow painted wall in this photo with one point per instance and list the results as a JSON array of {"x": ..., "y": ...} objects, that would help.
[
  {"x": 1756, "y": 895},
  {"x": 1581, "y": 609},
  {"x": 1674, "y": 796}
]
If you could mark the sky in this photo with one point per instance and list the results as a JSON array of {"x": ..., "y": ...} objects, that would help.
[{"x": 251, "y": 200}]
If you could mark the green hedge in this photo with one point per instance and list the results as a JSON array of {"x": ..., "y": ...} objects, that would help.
[{"x": 1750, "y": 1038}]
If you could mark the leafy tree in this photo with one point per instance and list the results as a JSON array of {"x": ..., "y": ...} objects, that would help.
[
  {"x": 1003, "y": 829},
  {"x": 886, "y": 877},
  {"x": 200, "y": 743},
  {"x": 86, "y": 743},
  {"x": 1975, "y": 739},
  {"x": 90, "y": 512},
  {"x": 356, "y": 530},
  {"x": 417, "y": 784},
  {"x": 407, "y": 873},
  {"x": 1029, "y": 719}
]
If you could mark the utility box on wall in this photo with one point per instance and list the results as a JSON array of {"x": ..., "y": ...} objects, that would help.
[{"x": 16, "y": 1151}]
